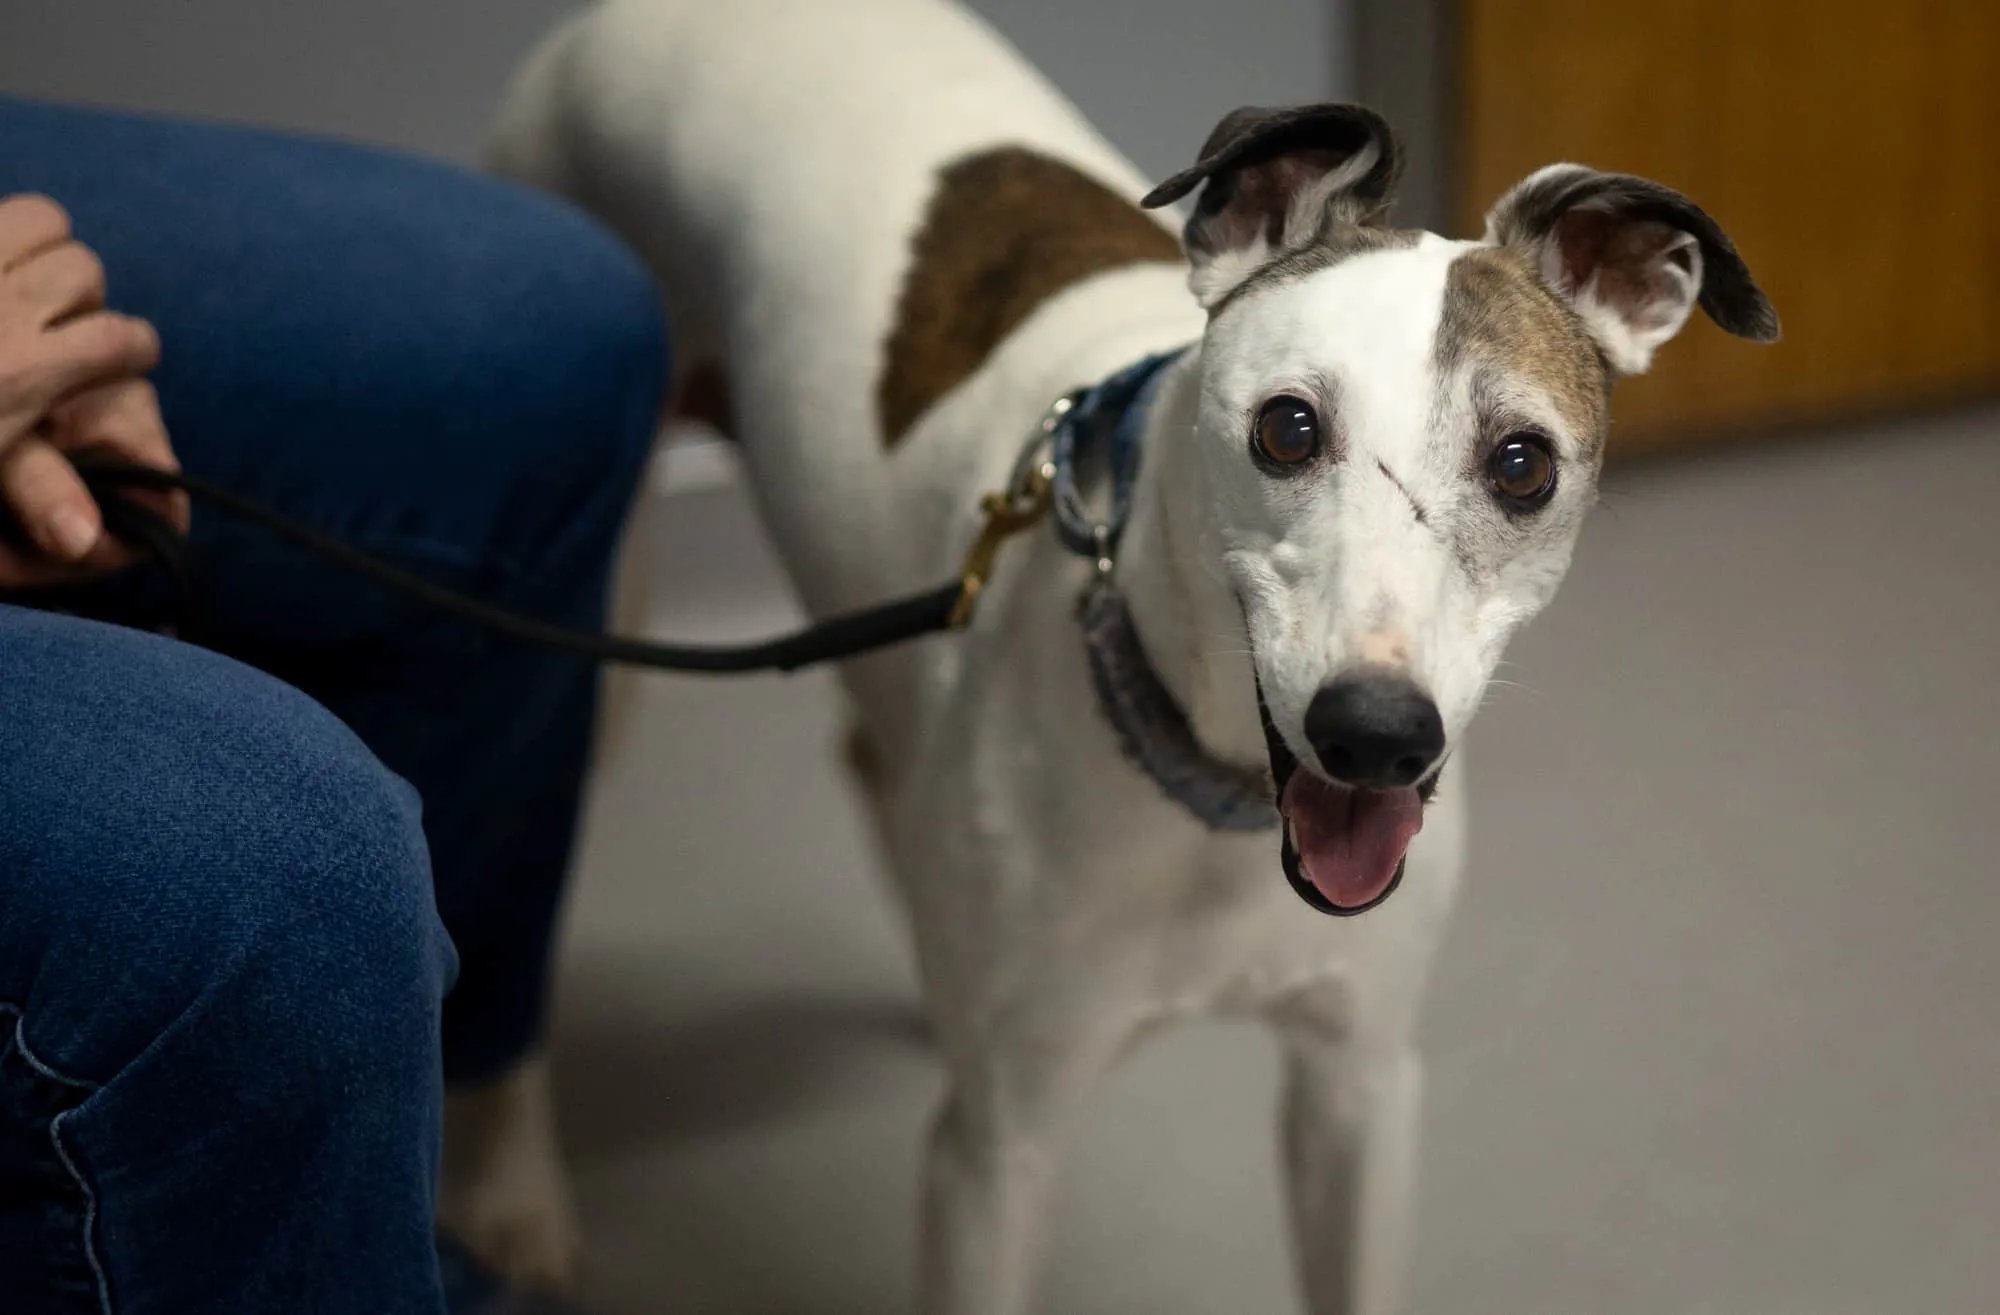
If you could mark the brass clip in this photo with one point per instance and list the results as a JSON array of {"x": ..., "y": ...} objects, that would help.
[{"x": 1007, "y": 514}]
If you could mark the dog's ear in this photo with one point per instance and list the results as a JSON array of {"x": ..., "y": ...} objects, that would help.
[
  {"x": 1632, "y": 257},
  {"x": 1270, "y": 178}
]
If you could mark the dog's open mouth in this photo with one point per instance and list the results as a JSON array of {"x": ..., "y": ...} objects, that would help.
[{"x": 1344, "y": 848}]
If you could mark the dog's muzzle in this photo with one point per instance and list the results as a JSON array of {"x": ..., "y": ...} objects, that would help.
[{"x": 1345, "y": 832}]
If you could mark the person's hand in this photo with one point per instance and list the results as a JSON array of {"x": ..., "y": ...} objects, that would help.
[{"x": 71, "y": 377}]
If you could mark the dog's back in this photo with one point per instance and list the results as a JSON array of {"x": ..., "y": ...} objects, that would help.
[{"x": 851, "y": 208}]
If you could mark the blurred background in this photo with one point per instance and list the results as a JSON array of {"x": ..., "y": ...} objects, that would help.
[{"x": 1718, "y": 1026}]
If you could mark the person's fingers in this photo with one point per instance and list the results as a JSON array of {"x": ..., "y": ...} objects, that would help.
[
  {"x": 123, "y": 418},
  {"x": 24, "y": 566},
  {"x": 28, "y": 223},
  {"x": 124, "y": 413},
  {"x": 49, "y": 500},
  {"x": 97, "y": 348},
  {"x": 100, "y": 347},
  {"x": 107, "y": 344},
  {"x": 57, "y": 283}
]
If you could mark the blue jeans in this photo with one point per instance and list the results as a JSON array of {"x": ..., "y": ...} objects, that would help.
[{"x": 226, "y": 882}]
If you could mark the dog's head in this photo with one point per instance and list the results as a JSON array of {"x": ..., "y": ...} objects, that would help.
[{"x": 1399, "y": 436}]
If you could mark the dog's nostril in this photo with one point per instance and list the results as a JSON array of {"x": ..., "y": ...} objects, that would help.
[{"x": 1375, "y": 729}]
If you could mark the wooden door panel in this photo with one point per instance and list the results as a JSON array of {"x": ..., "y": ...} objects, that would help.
[{"x": 1851, "y": 149}]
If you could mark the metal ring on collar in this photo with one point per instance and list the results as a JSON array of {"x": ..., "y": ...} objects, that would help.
[{"x": 1035, "y": 467}]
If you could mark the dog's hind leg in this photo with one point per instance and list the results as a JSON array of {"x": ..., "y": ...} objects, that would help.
[
  {"x": 991, "y": 1165},
  {"x": 1348, "y": 1127}
]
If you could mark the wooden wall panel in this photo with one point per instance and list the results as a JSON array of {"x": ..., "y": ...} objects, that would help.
[{"x": 1852, "y": 149}]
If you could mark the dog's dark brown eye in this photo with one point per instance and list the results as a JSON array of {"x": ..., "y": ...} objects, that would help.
[
  {"x": 1522, "y": 470},
  {"x": 1287, "y": 431}
]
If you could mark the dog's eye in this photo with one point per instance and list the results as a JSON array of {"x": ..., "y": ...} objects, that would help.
[
  {"x": 1287, "y": 432},
  {"x": 1522, "y": 470}
]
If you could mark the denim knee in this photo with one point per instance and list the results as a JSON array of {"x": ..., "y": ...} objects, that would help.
[
  {"x": 554, "y": 332},
  {"x": 594, "y": 306},
  {"x": 200, "y": 846},
  {"x": 594, "y": 294}
]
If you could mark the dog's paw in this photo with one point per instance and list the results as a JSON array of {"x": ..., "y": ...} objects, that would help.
[
  {"x": 504, "y": 1193},
  {"x": 532, "y": 1244}
]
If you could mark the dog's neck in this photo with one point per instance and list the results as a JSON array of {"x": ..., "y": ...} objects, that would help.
[{"x": 1186, "y": 614}]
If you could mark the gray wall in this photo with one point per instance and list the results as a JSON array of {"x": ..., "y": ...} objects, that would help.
[{"x": 424, "y": 74}]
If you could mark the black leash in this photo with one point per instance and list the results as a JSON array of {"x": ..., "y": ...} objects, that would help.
[
  {"x": 837, "y": 637},
  {"x": 1045, "y": 475}
]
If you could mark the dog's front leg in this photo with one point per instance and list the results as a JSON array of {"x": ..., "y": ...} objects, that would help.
[
  {"x": 503, "y": 1189},
  {"x": 1349, "y": 1136},
  {"x": 992, "y": 1163}
]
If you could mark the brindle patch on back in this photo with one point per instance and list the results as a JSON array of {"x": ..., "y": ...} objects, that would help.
[
  {"x": 1498, "y": 314},
  {"x": 1006, "y": 230}
]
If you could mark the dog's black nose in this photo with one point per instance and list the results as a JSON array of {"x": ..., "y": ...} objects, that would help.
[{"x": 1376, "y": 730}]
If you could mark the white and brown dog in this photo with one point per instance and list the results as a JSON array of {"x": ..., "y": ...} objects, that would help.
[{"x": 1366, "y": 471}]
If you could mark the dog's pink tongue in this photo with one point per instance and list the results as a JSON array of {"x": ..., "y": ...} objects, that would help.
[{"x": 1350, "y": 841}]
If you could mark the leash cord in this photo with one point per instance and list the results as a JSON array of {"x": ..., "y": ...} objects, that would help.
[
  {"x": 843, "y": 636},
  {"x": 1044, "y": 476}
]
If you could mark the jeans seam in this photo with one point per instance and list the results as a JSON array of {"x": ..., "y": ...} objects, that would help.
[{"x": 62, "y": 1150}]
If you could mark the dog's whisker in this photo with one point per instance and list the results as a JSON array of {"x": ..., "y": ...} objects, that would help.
[{"x": 1494, "y": 686}]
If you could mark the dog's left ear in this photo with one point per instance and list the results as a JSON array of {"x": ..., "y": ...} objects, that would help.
[
  {"x": 1270, "y": 178},
  {"x": 1632, "y": 257}
]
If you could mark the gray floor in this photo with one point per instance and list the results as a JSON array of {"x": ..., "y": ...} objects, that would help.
[{"x": 1718, "y": 1029}]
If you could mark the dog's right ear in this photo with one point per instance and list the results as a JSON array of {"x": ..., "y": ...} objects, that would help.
[{"x": 1271, "y": 178}]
